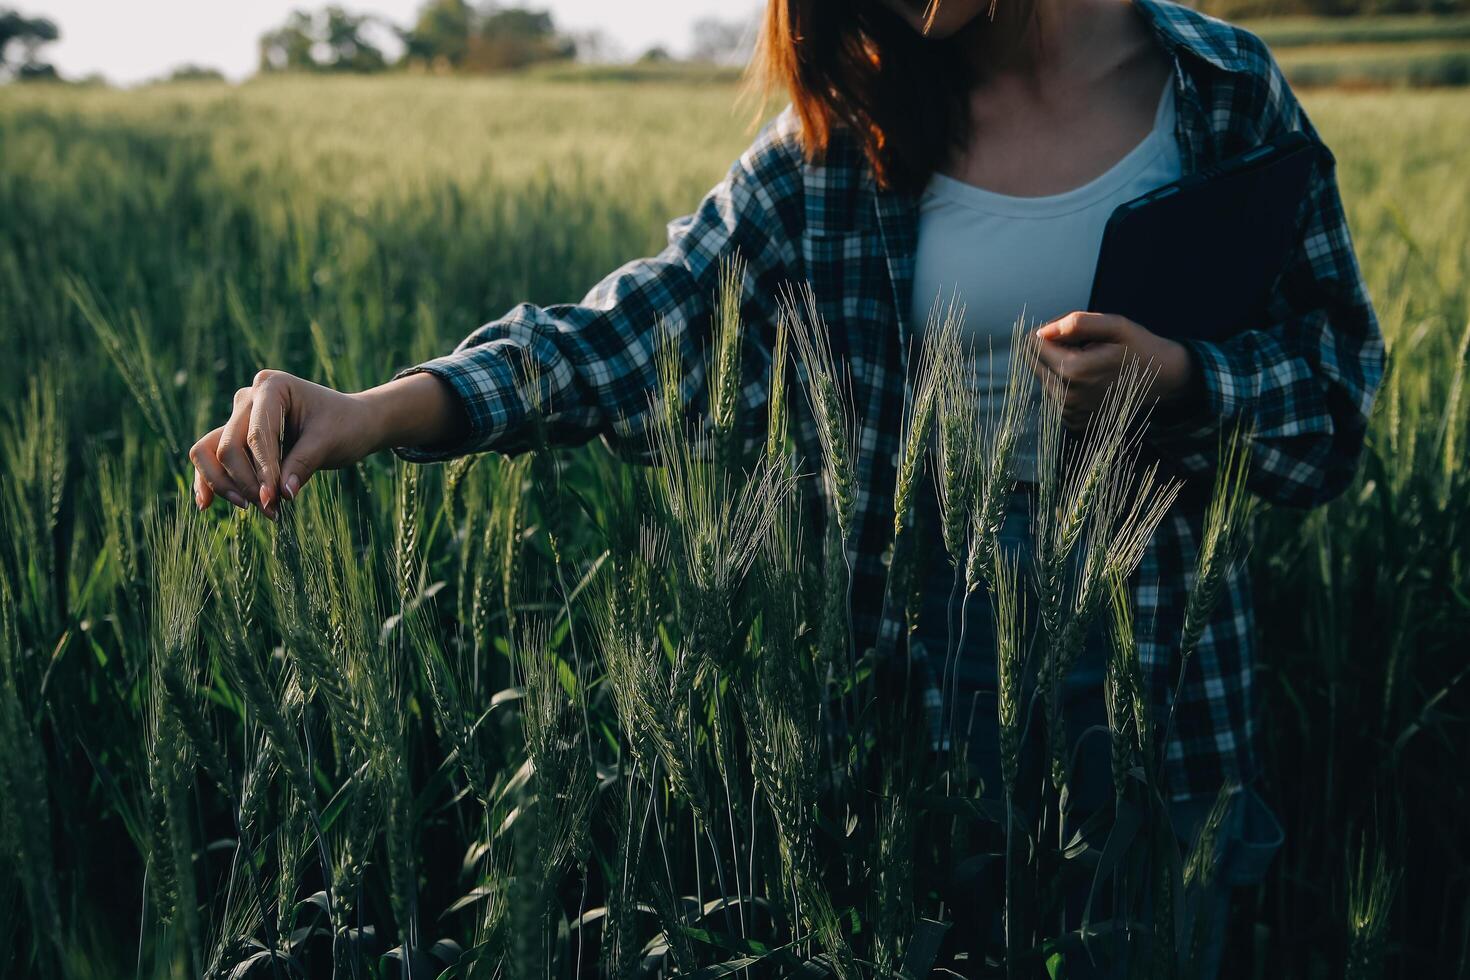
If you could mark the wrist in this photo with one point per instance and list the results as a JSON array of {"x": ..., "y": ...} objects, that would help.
[
  {"x": 416, "y": 409},
  {"x": 1179, "y": 375}
]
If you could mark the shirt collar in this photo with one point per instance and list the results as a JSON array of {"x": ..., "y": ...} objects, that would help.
[{"x": 1205, "y": 37}]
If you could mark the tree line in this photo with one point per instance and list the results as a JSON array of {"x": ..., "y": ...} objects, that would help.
[{"x": 448, "y": 35}]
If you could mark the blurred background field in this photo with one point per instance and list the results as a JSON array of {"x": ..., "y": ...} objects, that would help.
[
  {"x": 1369, "y": 51},
  {"x": 342, "y": 227}
]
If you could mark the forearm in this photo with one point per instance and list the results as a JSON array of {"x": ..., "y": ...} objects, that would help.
[
  {"x": 413, "y": 410},
  {"x": 1306, "y": 419}
]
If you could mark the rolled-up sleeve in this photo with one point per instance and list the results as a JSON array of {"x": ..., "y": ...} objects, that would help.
[{"x": 592, "y": 362}]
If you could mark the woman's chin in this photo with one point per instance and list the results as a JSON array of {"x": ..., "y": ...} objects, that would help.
[
  {"x": 941, "y": 32},
  {"x": 952, "y": 17}
]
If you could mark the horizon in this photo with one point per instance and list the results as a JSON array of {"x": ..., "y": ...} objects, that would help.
[{"x": 130, "y": 44}]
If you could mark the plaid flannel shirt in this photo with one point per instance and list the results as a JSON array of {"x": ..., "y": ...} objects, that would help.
[{"x": 1305, "y": 376}]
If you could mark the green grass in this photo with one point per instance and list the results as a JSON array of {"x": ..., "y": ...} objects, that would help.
[
  {"x": 1414, "y": 50},
  {"x": 1288, "y": 32},
  {"x": 1413, "y": 63},
  {"x": 1295, "y": 31},
  {"x": 159, "y": 246}
]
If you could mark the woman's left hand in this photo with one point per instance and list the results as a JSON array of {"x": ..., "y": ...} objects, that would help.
[{"x": 1085, "y": 351}]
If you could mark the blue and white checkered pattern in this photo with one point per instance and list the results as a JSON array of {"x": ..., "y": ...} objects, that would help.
[{"x": 1306, "y": 376}]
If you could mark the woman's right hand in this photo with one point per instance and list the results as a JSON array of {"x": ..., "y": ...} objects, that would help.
[{"x": 284, "y": 428}]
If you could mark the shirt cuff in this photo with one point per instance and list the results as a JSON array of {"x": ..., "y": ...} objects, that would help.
[
  {"x": 1226, "y": 378},
  {"x": 485, "y": 396},
  {"x": 1196, "y": 414}
]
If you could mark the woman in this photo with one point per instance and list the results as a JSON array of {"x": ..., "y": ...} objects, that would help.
[{"x": 933, "y": 149}]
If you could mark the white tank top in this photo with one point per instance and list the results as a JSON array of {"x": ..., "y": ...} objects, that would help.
[{"x": 1004, "y": 257}]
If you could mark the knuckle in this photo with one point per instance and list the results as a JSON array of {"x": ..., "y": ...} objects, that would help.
[
  {"x": 242, "y": 395},
  {"x": 263, "y": 375}
]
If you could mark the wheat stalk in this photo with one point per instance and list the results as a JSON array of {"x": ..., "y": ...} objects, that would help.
[
  {"x": 829, "y": 395},
  {"x": 1371, "y": 890},
  {"x": 724, "y": 368},
  {"x": 995, "y": 473},
  {"x": 25, "y": 807},
  {"x": 939, "y": 356},
  {"x": 1225, "y": 525}
]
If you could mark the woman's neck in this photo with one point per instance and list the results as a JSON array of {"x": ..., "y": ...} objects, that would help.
[{"x": 1047, "y": 39}]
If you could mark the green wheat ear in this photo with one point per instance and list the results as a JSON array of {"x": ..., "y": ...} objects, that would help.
[
  {"x": 25, "y": 798},
  {"x": 1127, "y": 697},
  {"x": 779, "y": 422},
  {"x": 131, "y": 351},
  {"x": 993, "y": 471},
  {"x": 1372, "y": 887},
  {"x": 1010, "y": 625},
  {"x": 178, "y": 736},
  {"x": 829, "y": 395},
  {"x": 939, "y": 354},
  {"x": 724, "y": 368},
  {"x": 1229, "y": 514},
  {"x": 960, "y": 445}
]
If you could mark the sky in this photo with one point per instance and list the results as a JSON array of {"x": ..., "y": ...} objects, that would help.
[{"x": 132, "y": 41}]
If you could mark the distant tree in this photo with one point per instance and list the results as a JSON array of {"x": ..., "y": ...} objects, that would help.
[
  {"x": 656, "y": 55},
  {"x": 288, "y": 47},
  {"x": 724, "y": 42},
  {"x": 327, "y": 40},
  {"x": 37, "y": 71},
  {"x": 440, "y": 37},
  {"x": 514, "y": 38},
  {"x": 194, "y": 73},
  {"x": 347, "y": 41},
  {"x": 28, "y": 34},
  {"x": 453, "y": 35}
]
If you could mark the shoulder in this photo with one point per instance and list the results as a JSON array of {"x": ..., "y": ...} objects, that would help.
[
  {"x": 773, "y": 162},
  {"x": 1269, "y": 106},
  {"x": 823, "y": 194},
  {"x": 1244, "y": 88}
]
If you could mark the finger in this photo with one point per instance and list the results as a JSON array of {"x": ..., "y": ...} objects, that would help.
[
  {"x": 203, "y": 495},
  {"x": 232, "y": 447},
  {"x": 205, "y": 456},
  {"x": 263, "y": 437},
  {"x": 1084, "y": 366},
  {"x": 1080, "y": 327},
  {"x": 1055, "y": 358},
  {"x": 1039, "y": 367},
  {"x": 303, "y": 460}
]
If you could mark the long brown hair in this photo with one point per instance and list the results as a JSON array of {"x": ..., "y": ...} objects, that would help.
[{"x": 858, "y": 65}]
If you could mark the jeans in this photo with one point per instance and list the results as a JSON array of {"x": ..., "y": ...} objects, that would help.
[{"x": 1246, "y": 840}]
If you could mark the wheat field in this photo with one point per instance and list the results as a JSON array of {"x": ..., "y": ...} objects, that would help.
[{"x": 559, "y": 715}]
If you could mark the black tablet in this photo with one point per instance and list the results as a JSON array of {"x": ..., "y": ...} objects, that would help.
[{"x": 1199, "y": 257}]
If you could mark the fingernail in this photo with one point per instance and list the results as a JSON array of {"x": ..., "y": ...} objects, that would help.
[
  {"x": 293, "y": 483},
  {"x": 236, "y": 499},
  {"x": 265, "y": 497},
  {"x": 198, "y": 500}
]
